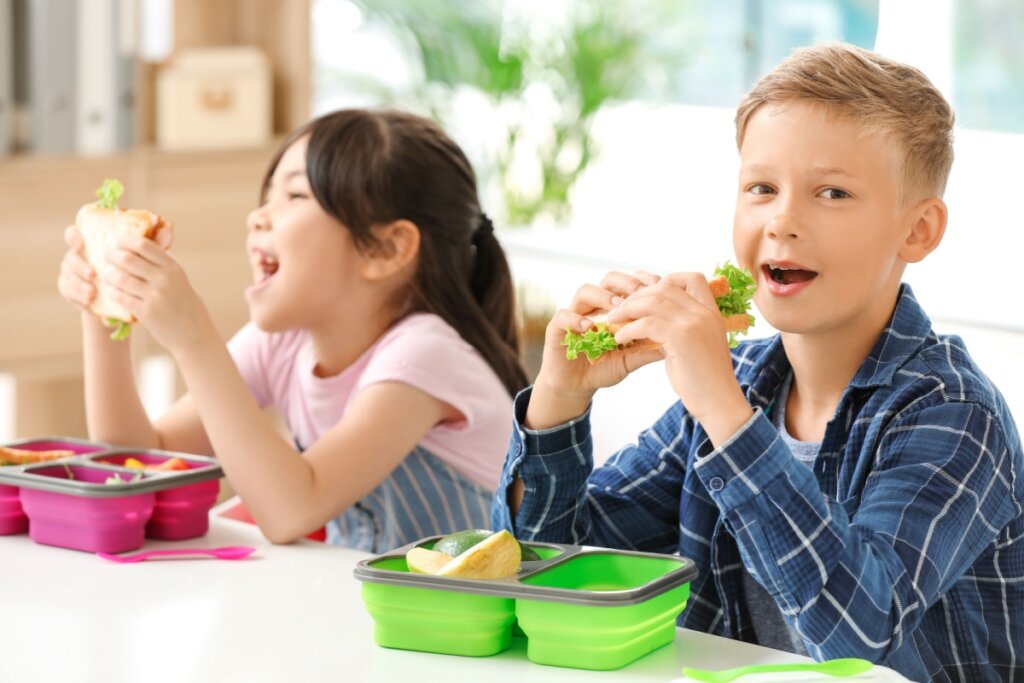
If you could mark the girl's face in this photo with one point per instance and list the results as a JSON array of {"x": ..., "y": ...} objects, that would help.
[{"x": 306, "y": 268}]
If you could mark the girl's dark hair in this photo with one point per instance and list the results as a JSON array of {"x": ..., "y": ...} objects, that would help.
[{"x": 369, "y": 168}]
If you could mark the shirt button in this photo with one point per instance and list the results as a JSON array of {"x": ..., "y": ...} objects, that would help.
[
  {"x": 519, "y": 449},
  {"x": 716, "y": 483}
]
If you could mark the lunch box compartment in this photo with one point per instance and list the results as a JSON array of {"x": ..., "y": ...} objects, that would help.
[
  {"x": 427, "y": 620},
  {"x": 93, "y": 524},
  {"x": 597, "y": 636},
  {"x": 182, "y": 512},
  {"x": 12, "y": 516},
  {"x": 584, "y": 608}
]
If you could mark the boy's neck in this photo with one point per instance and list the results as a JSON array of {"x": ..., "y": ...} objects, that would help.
[{"x": 823, "y": 366}]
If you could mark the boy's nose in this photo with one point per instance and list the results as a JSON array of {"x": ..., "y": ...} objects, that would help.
[{"x": 782, "y": 226}]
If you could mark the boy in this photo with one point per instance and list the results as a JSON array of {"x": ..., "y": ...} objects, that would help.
[{"x": 848, "y": 487}]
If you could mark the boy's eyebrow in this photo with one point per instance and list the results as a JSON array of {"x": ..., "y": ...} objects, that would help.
[{"x": 816, "y": 170}]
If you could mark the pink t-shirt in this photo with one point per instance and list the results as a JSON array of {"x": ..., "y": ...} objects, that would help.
[{"x": 421, "y": 350}]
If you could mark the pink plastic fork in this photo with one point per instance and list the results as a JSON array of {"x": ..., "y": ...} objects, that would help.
[{"x": 234, "y": 552}]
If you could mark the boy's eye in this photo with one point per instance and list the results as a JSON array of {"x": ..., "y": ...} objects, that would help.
[
  {"x": 297, "y": 195},
  {"x": 760, "y": 188},
  {"x": 834, "y": 193}
]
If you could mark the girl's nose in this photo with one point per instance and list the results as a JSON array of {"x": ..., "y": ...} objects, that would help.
[{"x": 257, "y": 220}]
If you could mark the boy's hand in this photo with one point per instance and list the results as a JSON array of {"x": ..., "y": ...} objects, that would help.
[
  {"x": 563, "y": 388},
  {"x": 680, "y": 314},
  {"x": 151, "y": 285}
]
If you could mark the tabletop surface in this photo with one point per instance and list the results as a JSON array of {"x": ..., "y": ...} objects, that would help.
[{"x": 288, "y": 613}]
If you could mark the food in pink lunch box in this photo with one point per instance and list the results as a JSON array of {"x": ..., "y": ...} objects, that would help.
[
  {"x": 18, "y": 456},
  {"x": 170, "y": 465}
]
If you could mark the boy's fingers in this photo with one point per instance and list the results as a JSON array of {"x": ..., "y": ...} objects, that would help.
[
  {"x": 646, "y": 278},
  {"x": 694, "y": 284},
  {"x": 566, "y": 319},
  {"x": 591, "y": 298},
  {"x": 623, "y": 284}
]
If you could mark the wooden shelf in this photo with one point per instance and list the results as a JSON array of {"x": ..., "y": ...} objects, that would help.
[{"x": 206, "y": 194}]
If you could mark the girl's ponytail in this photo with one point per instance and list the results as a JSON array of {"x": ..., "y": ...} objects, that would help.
[{"x": 492, "y": 289}]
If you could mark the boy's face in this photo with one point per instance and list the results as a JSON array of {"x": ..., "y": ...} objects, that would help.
[{"x": 818, "y": 221}]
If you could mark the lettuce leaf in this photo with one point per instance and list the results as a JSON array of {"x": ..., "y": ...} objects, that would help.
[
  {"x": 123, "y": 330},
  {"x": 593, "y": 342},
  {"x": 109, "y": 193},
  {"x": 741, "y": 292}
]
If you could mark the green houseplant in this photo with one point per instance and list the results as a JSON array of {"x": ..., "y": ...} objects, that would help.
[{"x": 544, "y": 79}]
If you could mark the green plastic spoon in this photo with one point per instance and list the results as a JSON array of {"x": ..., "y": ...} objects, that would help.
[{"x": 833, "y": 667}]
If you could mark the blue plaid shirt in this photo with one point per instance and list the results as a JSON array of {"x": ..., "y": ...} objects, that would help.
[{"x": 903, "y": 545}]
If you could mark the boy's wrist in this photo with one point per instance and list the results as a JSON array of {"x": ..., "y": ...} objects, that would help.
[
  {"x": 723, "y": 419},
  {"x": 550, "y": 407}
]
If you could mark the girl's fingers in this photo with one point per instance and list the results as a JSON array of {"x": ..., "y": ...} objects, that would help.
[
  {"x": 73, "y": 238},
  {"x": 76, "y": 265},
  {"x": 164, "y": 236}
]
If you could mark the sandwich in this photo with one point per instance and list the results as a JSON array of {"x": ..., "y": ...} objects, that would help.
[
  {"x": 100, "y": 224},
  {"x": 732, "y": 287}
]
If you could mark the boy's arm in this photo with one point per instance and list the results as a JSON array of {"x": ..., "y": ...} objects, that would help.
[
  {"x": 857, "y": 581},
  {"x": 631, "y": 502}
]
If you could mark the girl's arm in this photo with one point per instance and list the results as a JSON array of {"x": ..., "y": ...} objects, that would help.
[{"x": 288, "y": 495}]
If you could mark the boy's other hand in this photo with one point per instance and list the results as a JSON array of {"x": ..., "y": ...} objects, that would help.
[
  {"x": 679, "y": 313},
  {"x": 563, "y": 388}
]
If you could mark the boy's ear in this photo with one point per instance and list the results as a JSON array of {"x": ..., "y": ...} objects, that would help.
[
  {"x": 927, "y": 226},
  {"x": 398, "y": 244}
]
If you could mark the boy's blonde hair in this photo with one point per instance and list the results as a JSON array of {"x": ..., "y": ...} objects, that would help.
[{"x": 886, "y": 97}]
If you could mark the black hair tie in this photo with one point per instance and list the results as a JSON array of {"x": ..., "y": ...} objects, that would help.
[{"x": 485, "y": 228}]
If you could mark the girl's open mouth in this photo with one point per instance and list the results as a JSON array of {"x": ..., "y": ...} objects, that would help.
[{"x": 268, "y": 265}]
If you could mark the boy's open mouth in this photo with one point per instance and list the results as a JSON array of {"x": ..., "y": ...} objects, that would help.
[{"x": 787, "y": 276}]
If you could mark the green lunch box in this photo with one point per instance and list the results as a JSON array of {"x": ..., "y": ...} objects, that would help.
[{"x": 578, "y": 606}]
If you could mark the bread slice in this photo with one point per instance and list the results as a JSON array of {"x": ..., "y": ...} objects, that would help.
[{"x": 100, "y": 229}]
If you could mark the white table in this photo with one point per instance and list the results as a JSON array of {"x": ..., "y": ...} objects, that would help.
[{"x": 289, "y": 613}]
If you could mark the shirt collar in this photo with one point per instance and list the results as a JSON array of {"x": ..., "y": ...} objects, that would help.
[{"x": 907, "y": 330}]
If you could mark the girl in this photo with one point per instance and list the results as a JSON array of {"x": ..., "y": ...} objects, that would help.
[{"x": 382, "y": 331}]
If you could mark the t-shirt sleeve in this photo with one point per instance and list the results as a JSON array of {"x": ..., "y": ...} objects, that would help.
[
  {"x": 432, "y": 357},
  {"x": 249, "y": 350}
]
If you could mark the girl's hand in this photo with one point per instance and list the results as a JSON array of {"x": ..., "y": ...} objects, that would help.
[
  {"x": 152, "y": 286},
  {"x": 563, "y": 388},
  {"x": 679, "y": 313},
  {"x": 77, "y": 279}
]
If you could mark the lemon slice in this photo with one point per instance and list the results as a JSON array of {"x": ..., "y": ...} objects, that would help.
[
  {"x": 495, "y": 557},
  {"x": 423, "y": 561}
]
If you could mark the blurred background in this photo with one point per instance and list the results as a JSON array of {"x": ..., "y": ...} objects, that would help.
[{"x": 601, "y": 132}]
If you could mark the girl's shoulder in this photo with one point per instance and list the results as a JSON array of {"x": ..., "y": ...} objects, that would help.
[{"x": 419, "y": 330}]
